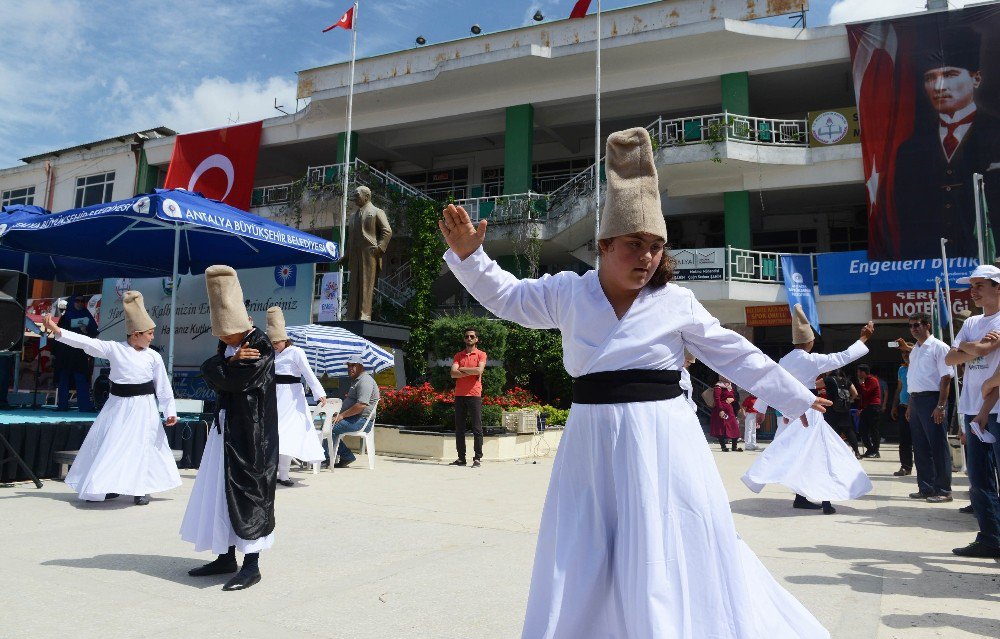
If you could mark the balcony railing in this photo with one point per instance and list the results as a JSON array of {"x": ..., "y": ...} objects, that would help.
[
  {"x": 725, "y": 126},
  {"x": 743, "y": 265},
  {"x": 271, "y": 195},
  {"x": 507, "y": 208}
]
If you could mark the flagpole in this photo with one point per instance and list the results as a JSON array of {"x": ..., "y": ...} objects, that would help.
[
  {"x": 936, "y": 310},
  {"x": 347, "y": 160},
  {"x": 947, "y": 290},
  {"x": 980, "y": 240},
  {"x": 597, "y": 145}
]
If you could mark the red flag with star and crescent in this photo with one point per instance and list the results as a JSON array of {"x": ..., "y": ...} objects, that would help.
[
  {"x": 884, "y": 78},
  {"x": 220, "y": 164},
  {"x": 346, "y": 21},
  {"x": 580, "y": 9}
]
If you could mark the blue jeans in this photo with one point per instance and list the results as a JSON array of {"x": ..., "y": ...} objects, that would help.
[
  {"x": 82, "y": 391},
  {"x": 349, "y": 425},
  {"x": 931, "y": 451},
  {"x": 982, "y": 467}
]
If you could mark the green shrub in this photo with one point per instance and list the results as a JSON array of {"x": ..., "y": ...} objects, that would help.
[{"x": 492, "y": 416}]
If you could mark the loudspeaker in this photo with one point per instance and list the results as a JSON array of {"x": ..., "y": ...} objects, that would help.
[{"x": 13, "y": 298}]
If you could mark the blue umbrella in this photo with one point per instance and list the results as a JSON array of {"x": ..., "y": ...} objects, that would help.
[
  {"x": 329, "y": 347},
  {"x": 169, "y": 227}
]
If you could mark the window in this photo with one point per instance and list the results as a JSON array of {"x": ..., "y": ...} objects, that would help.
[
  {"x": 86, "y": 289},
  {"x": 441, "y": 183},
  {"x": 94, "y": 189},
  {"x": 18, "y": 196},
  {"x": 848, "y": 238},
  {"x": 791, "y": 241}
]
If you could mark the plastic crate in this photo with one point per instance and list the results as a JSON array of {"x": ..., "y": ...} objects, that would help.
[{"x": 520, "y": 421}]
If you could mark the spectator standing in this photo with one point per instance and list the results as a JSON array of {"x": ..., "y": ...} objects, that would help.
[
  {"x": 752, "y": 421},
  {"x": 871, "y": 408},
  {"x": 73, "y": 363},
  {"x": 724, "y": 424},
  {"x": 467, "y": 371},
  {"x": 900, "y": 408}
]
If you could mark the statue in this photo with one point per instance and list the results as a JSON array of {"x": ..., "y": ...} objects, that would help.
[{"x": 368, "y": 235}]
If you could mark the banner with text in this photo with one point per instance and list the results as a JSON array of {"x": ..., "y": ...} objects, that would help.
[
  {"x": 329, "y": 298},
  {"x": 797, "y": 271},
  {"x": 852, "y": 272},
  {"x": 899, "y": 305},
  {"x": 771, "y": 315},
  {"x": 693, "y": 265}
]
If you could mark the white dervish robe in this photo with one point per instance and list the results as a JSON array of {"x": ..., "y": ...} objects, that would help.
[
  {"x": 126, "y": 450},
  {"x": 206, "y": 522},
  {"x": 637, "y": 539},
  {"x": 814, "y": 462},
  {"x": 296, "y": 433}
]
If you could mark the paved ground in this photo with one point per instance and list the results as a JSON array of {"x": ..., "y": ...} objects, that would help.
[{"x": 424, "y": 550}]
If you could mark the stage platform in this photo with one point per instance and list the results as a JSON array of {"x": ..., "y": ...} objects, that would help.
[{"x": 44, "y": 415}]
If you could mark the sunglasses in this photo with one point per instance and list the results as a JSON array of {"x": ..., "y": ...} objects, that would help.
[
  {"x": 916, "y": 325},
  {"x": 470, "y": 337}
]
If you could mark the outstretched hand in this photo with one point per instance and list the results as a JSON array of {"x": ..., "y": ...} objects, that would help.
[
  {"x": 820, "y": 404},
  {"x": 462, "y": 237}
]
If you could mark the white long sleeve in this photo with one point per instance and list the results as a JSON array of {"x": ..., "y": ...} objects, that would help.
[
  {"x": 531, "y": 303},
  {"x": 734, "y": 356},
  {"x": 164, "y": 391},
  {"x": 89, "y": 345},
  {"x": 302, "y": 362}
]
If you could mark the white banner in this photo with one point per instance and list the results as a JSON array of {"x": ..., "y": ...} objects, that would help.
[{"x": 329, "y": 298}]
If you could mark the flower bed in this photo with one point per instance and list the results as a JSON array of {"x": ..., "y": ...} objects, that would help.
[{"x": 424, "y": 406}]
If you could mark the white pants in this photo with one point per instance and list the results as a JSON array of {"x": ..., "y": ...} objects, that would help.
[{"x": 750, "y": 431}]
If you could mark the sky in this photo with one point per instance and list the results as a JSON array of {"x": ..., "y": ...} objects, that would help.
[{"x": 77, "y": 71}]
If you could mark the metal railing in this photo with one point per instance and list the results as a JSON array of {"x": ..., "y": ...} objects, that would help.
[
  {"x": 763, "y": 267},
  {"x": 269, "y": 195},
  {"x": 507, "y": 208},
  {"x": 364, "y": 173},
  {"x": 725, "y": 126}
]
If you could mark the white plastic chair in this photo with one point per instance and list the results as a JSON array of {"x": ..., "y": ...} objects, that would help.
[
  {"x": 367, "y": 440},
  {"x": 326, "y": 414}
]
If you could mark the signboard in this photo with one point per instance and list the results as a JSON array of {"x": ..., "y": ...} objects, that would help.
[
  {"x": 798, "y": 276},
  {"x": 834, "y": 127},
  {"x": 289, "y": 287},
  {"x": 329, "y": 298},
  {"x": 852, "y": 272},
  {"x": 899, "y": 305},
  {"x": 773, "y": 315},
  {"x": 699, "y": 264}
]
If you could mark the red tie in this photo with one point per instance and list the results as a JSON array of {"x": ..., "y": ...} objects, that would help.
[{"x": 950, "y": 141}]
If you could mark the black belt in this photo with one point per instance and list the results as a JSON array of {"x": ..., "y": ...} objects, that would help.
[
  {"x": 133, "y": 390},
  {"x": 287, "y": 379},
  {"x": 624, "y": 387},
  {"x": 924, "y": 393}
]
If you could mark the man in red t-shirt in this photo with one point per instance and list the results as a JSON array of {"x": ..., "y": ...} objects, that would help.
[
  {"x": 467, "y": 371},
  {"x": 870, "y": 398}
]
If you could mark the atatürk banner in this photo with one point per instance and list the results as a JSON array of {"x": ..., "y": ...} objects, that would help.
[{"x": 928, "y": 93}]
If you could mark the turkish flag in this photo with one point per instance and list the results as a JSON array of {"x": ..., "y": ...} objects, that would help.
[
  {"x": 346, "y": 21},
  {"x": 580, "y": 9},
  {"x": 219, "y": 164}
]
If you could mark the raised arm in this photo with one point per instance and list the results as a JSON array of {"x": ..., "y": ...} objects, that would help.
[
  {"x": 89, "y": 345},
  {"x": 164, "y": 391},
  {"x": 302, "y": 362},
  {"x": 531, "y": 303},
  {"x": 735, "y": 357}
]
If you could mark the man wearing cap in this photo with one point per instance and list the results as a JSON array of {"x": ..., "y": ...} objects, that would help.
[
  {"x": 232, "y": 502},
  {"x": 928, "y": 381},
  {"x": 933, "y": 180},
  {"x": 793, "y": 458},
  {"x": 977, "y": 345},
  {"x": 358, "y": 405},
  {"x": 126, "y": 451}
]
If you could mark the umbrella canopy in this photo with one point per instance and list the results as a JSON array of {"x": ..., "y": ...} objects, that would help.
[
  {"x": 328, "y": 347},
  {"x": 144, "y": 232}
]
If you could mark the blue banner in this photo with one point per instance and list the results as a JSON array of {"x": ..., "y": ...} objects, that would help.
[
  {"x": 851, "y": 272},
  {"x": 797, "y": 272}
]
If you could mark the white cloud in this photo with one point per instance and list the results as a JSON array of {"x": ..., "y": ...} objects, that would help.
[{"x": 855, "y": 10}]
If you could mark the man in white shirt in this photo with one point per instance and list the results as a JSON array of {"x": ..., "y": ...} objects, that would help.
[
  {"x": 977, "y": 346},
  {"x": 928, "y": 381}
]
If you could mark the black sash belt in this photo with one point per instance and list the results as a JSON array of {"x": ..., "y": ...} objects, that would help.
[
  {"x": 133, "y": 390},
  {"x": 287, "y": 379},
  {"x": 623, "y": 387}
]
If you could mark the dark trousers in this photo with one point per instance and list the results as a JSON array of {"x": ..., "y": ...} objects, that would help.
[
  {"x": 931, "y": 450},
  {"x": 472, "y": 407},
  {"x": 843, "y": 424},
  {"x": 905, "y": 440},
  {"x": 82, "y": 391},
  {"x": 982, "y": 468},
  {"x": 869, "y": 428}
]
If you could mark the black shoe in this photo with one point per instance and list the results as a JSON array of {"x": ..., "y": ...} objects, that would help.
[
  {"x": 920, "y": 495},
  {"x": 475, "y": 463},
  {"x": 111, "y": 496},
  {"x": 725, "y": 450},
  {"x": 903, "y": 471},
  {"x": 243, "y": 579},
  {"x": 737, "y": 450},
  {"x": 289, "y": 482},
  {"x": 457, "y": 462},
  {"x": 872, "y": 455},
  {"x": 221, "y": 566},
  {"x": 976, "y": 549},
  {"x": 802, "y": 502},
  {"x": 340, "y": 464},
  {"x": 828, "y": 508},
  {"x": 141, "y": 500},
  {"x": 968, "y": 510}
]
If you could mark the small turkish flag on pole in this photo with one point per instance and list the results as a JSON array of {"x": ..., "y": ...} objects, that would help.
[
  {"x": 580, "y": 9},
  {"x": 346, "y": 21}
]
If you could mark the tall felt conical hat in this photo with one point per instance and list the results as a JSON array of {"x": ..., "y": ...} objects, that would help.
[
  {"x": 225, "y": 300},
  {"x": 802, "y": 331},
  {"x": 276, "y": 324},
  {"x": 137, "y": 320},
  {"x": 632, "y": 204}
]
